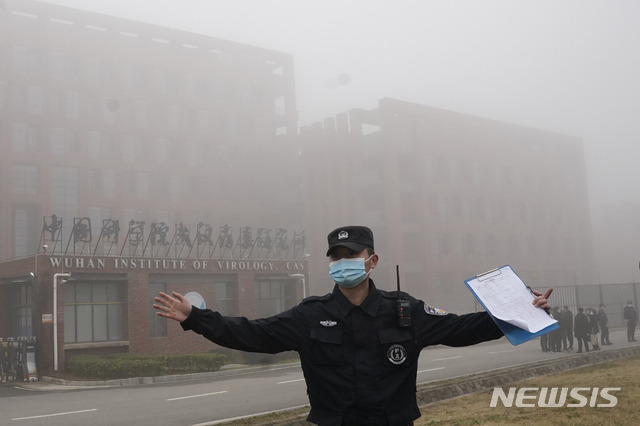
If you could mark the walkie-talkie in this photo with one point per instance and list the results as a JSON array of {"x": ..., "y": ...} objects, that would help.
[{"x": 404, "y": 307}]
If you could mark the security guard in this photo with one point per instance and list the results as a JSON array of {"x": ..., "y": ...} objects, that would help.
[{"x": 358, "y": 345}]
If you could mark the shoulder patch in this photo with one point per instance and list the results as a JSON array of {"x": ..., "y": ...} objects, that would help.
[{"x": 431, "y": 310}]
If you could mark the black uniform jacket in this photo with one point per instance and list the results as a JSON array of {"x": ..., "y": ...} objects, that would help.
[{"x": 359, "y": 365}]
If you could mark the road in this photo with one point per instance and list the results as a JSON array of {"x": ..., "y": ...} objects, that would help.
[{"x": 202, "y": 401}]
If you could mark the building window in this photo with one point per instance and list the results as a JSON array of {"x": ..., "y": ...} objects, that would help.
[
  {"x": 63, "y": 141},
  {"x": 26, "y": 230},
  {"x": 73, "y": 105},
  {"x": 128, "y": 76},
  {"x": 157, "y": 324},
  {"x": 226, "y": 299},
  {"x": 19, "y": 137},
  {"x": 190, "y": 86},
  {"x": 93, "y": 312},
  {"x": 160, "y": 82},
  {"x": 25, "y": 137},
  {"x": 64, "y": 190},
  {"x": 23, "y": 309},
  {"x": 231, "y": 126},
  {"x": 174, "y": 188},
  {"x": 273, "y": 297},
  {"x": 94, "y": 145},
  {"x": 108, "y": 189},
  {"x": 142, "y": 185},
  {"x": 97, "y": 72},
  {"x": 203, "y": 121},
  {"x": 24, "y": 179},
  {"x": 142, "y": 114},
  {"x": 34, "y": 100},
  {"x": 26, "y": 60},
  {"x": 173, "y": 115},
  {"x": 110, "y": 108},
  {"x": 63, "y": 66}
]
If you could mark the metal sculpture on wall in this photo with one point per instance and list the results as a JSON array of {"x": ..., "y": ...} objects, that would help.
[
  {"x": 247, "y": 244},
  {"x": 110, "y": 234},
  {"x": 81, "y": 233},
  {"x": 203, "y": 238},
  {"x": 225, "y": 240},
  {"x": 263, "y": 240},
  {"x": 158, "y": 239},
  {"x": 134, "y": 237},
  {"x": 298, "y": 244},
  {"x": 51, "y": 236},
  {"x": 182, "y": 239}
]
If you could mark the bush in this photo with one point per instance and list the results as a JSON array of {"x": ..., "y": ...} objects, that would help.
[
  {"x": 256, "y": 358},
  {"x": 118, "y": 366},
  {"x": 195, "y": 363}
]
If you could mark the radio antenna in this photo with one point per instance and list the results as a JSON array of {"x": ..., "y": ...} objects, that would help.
[{"x": 404, "y": 306}]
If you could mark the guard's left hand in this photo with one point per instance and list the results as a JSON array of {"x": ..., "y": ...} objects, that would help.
[{"x": 541, "y": 300}]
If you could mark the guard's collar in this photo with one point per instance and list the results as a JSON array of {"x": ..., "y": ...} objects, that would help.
[{"x": 370, "y": 305}]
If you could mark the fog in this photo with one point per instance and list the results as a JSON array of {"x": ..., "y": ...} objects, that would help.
[{"x": 568, "y": 66}]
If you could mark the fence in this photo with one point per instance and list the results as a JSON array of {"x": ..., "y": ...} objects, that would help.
[
  {"x": 614, "y": 297},
  {"x": 17, "y": 359}
]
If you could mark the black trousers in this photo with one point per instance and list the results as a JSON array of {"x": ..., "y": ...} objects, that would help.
[
  {"x": 581, "y": 340},
  {"x": 604, "y": 335},
  {"x": 570, "y": 338},
  {"x": 631, "y": 330}
]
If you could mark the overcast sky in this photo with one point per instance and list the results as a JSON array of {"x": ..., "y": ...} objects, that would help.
[{"x": 569, "y": 66}]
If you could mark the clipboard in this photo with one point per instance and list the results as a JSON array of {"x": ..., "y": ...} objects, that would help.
[{"x": 483, "y": 287}]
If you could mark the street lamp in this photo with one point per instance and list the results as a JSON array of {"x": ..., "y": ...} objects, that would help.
[
  {"x": 304, "y": 287},
  {"x": 55, "y": 315}
]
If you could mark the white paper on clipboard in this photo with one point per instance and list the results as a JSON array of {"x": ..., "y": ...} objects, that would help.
[{"x": 507, "y": 298}]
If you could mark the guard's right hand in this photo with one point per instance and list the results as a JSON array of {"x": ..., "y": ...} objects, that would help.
[{"x": 174, "y": 307}]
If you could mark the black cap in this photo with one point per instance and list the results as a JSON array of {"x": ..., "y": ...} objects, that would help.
[{"x": 356, "y": 238}]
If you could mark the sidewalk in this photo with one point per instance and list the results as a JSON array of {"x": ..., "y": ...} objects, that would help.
[{"x": 52, "y": 383}]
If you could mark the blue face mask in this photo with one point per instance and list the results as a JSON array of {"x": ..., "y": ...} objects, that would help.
[{"x": 348, "y": 272}]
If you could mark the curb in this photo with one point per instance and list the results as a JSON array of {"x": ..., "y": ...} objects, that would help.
[{"x": 134, "y": 381}]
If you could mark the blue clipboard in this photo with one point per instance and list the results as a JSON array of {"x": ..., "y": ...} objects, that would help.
[{"x": 514, "y": 334}]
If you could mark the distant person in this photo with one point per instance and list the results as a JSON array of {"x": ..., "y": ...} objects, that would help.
[
  {"x": 562, "y": 322},
  {"x": 359, "y": 355},
  {"x": 544, "y": 342},
  {"x": 581, "y": 329},
  {"x": 593, "y": 324},
  {"x": 603, "y": 323},
  {"x": 555, "y": 336},
  {"x": 568, "y": 320},
  {"x": 631, "y": 317}
]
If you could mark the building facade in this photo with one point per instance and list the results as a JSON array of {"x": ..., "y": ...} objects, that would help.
[{"x": 451, "y": 196}]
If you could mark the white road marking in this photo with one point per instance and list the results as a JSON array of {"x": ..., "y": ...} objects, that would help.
[
  {"x": 195, "y": 396},
  {"x": 248, "y": 416},
  {"x": 432, "y": 369},
  {"x": 451, "y": 357},
  {"x": 55, "y": 414},
  {"x": 501, "y": 352},
  {"x": 291, "y": 381}
]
